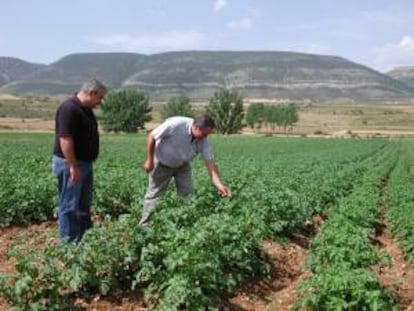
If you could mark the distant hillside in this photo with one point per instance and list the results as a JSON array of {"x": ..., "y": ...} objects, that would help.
[
  {"x": 13, "y": 69},
  {"x": 404, "y": 74},
  {"x": 268, "y": 75}
]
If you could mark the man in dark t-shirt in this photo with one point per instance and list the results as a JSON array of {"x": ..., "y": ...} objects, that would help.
[{"x": 76, "y": 148}]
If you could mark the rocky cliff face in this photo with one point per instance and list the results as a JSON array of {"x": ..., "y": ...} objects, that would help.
[{"x": 268, "y": 75}]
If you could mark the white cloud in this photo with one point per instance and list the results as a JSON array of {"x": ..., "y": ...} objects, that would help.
[
  {"x": 153, "y": 43},
  {"x": 219, "y": 4},
  {"x": 247, "y": 22},
  {"x": 407, "y": 43},
  {"x": 243, "y": 24},
  {"x": 395, "y": 54}
]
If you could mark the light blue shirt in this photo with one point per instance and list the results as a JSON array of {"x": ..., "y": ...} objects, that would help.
[{"x": 174, "y": 144}]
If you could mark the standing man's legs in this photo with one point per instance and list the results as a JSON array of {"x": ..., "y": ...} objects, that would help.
[
  {"x": 85, "y": 201},
  {"x": 74, "y": 200},
  {"x": 159, "y": 179}
]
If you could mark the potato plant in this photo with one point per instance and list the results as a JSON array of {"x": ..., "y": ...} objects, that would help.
[{"x": 197, "y": 250}]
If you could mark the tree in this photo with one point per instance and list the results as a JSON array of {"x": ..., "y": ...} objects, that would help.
[
  {"x": 125, "y": 111},
  {"x": 269, "y": 118},
  {"x": 226, "y": 108},
  {"x": 282, "y": 116},
  {"x": 255, "y": 115},
  {"x": 290, "y": 116},
  {"x": 177, "y": 106}
]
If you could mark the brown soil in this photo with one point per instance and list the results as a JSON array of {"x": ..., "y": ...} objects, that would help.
[
  {"x": 277, "y": 292},
  {"x": 274, "y": 293},
  {"x": 398, "y": 278},
  {"x": 34, "y": 236},
  {"x": 26, "y": 124},
  {"x": 130, "y": 301}
]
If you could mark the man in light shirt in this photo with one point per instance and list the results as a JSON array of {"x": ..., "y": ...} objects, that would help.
[{"x": 170, "y": 148}]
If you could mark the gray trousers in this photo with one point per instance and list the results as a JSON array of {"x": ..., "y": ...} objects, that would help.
[{"x": 159, "y": 180}]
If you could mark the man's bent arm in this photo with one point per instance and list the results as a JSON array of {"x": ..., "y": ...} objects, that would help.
[
  {"x": 149, "y": 163},
  {"x": 215, "y": 177}
]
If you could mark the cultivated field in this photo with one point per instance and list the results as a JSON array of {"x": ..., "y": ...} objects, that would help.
[
  {"x": 396, "y": 119},
  {"x": 313, "y": 224}
]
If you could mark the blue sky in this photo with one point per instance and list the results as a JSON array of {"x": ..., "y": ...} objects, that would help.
[{"x": 375, "y": 33}]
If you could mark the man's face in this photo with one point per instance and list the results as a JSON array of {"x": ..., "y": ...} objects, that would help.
[
  {"x": 200, "y": 133},
  {"x": 96, "y": 97}
]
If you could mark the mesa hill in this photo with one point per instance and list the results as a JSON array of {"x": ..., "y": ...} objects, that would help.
[{"x": 198, "y": 74}]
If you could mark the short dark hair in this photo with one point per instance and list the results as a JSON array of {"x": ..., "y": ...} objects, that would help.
[
  {"x": 93, "y": 85},
  {"x": 204, "y": 121}
]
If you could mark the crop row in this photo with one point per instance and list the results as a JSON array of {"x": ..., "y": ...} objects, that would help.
[
  {"x": 195, "y": 250},
  {"x": 28, "y": 188},
  {"x": 400, "y": 199},
  {"x": 342, "y": 252}
]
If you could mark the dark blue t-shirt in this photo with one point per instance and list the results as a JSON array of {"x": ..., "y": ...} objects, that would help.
[{"x": 77, "y": 121}]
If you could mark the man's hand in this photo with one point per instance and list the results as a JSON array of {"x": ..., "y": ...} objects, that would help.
[
  {"x": 224, "y": 191},
  {"x": 148, "y": 166},
  {"x": 75, "y": 174}
]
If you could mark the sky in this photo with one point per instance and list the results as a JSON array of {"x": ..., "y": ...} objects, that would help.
[{"x": 375, "y": 33}]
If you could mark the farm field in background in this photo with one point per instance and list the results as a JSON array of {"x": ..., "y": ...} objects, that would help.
[
  {"x": 314, "y": 223},
  {"x": 396, "y": 119}
]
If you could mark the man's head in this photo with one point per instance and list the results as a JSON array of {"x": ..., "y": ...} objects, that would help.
[
  {"x": 92, "y": 92},
  {"x": 202, "y": 126}
]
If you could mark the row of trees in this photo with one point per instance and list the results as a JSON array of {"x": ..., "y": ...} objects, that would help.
[
  {"x": 128, "y": 111},
  {"x": 259, "y": 116}
]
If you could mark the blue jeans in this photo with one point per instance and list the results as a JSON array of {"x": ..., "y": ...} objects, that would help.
[{"x": 74, "y": 207}]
